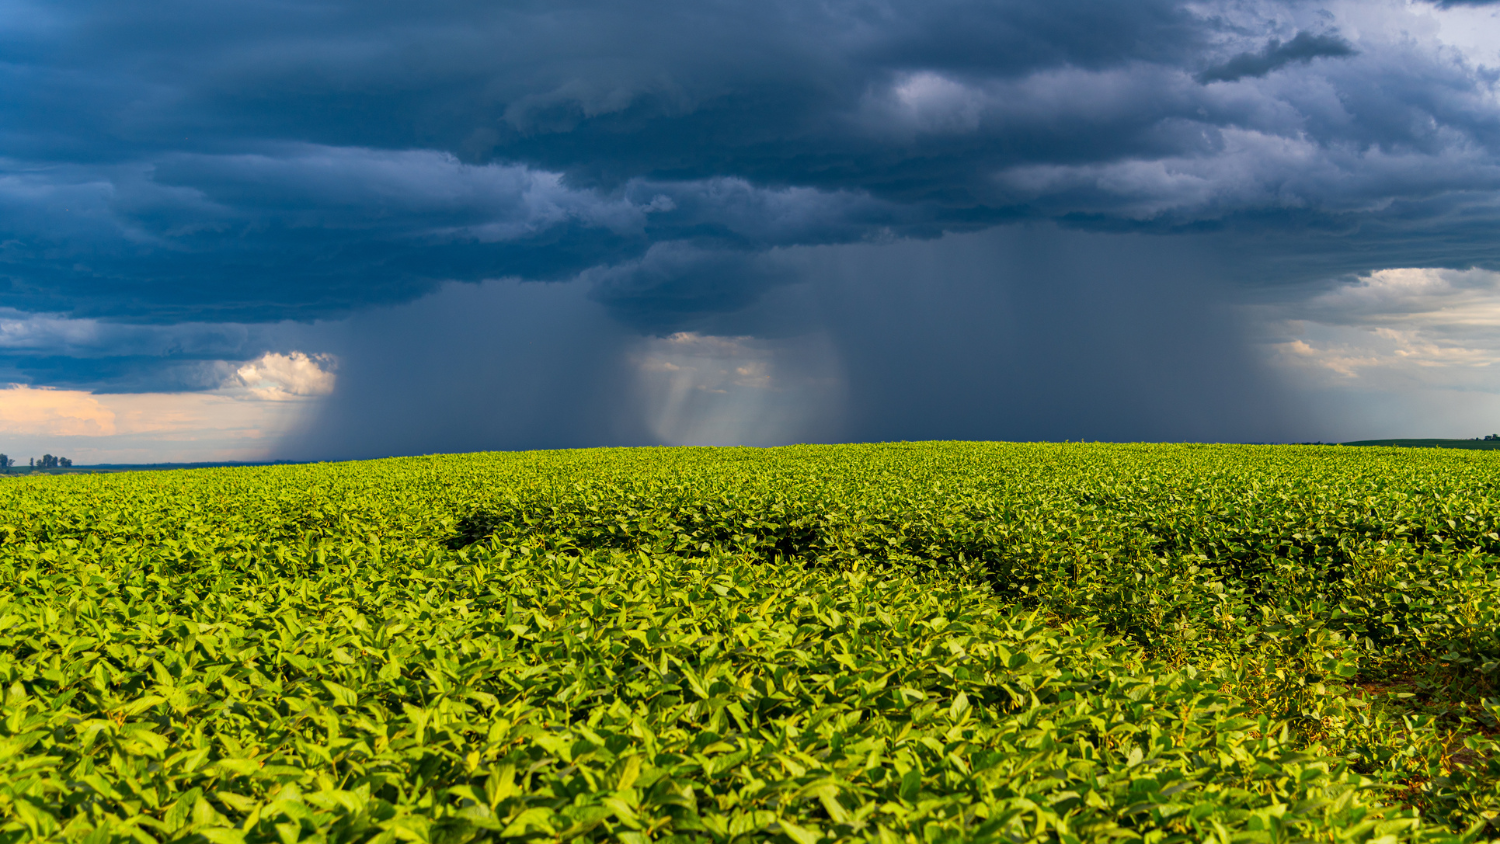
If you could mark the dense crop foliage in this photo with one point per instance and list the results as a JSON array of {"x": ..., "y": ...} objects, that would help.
[{"x": 928, "y": 642}]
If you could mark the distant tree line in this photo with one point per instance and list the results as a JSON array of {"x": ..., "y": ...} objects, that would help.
[{"x": 47, "y": 462}]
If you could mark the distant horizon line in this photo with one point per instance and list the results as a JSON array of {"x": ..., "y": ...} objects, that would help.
[{"x": 1396, "y": 442}]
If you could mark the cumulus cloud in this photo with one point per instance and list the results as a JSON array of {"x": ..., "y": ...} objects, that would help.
[{"x": 278, "y": 377}]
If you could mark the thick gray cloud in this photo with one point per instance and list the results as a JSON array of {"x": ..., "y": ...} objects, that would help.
[
  {"x": 249, "y": 161},
  {"x": 1304, "y": 47},
  {"x": 214, "y": 163}
]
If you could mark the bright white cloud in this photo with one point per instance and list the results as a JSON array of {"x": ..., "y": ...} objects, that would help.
[{"x": 278, "y": 377}]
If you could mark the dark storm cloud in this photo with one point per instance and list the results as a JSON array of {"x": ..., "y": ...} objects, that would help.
[
  {"x": 250, "y": 162},
  {"x": 312, "y": 231},
  {"x": 121, "y": 373},
  {"x": 1304, "y": 47},
  {"x": 675, "y": 284}
]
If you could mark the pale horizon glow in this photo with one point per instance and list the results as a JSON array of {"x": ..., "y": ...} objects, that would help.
[
  {"x": 1424, "y": 335},
  {"x": 244, "y": 420}
]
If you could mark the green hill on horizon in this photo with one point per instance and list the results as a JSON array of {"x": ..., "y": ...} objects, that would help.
[{"x": 1432, "y": 443}]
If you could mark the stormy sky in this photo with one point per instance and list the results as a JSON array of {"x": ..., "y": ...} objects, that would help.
[{"x": 330, "y": 230}]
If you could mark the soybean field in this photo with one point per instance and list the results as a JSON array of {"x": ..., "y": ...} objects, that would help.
[{"x": 915, "y": 642}]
